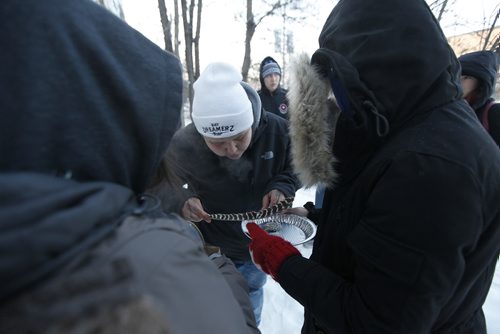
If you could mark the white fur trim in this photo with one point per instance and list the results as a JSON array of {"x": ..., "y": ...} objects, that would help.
[{"x": 312, "y": 124}]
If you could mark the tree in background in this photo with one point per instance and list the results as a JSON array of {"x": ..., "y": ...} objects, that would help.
[
  {"x": 191, "y": 25},
  {"x": 253, "y": 20},
  {"x": 440, "y": 7},
  {"x": 256, "y": 12},
  {"x": 496, "y": 39},
  {"x": 486, "y": 39},
  {"x": 115, "y": 6},
  {"x": 166, "y": 25},
  {"x": 192, "y": 42}
]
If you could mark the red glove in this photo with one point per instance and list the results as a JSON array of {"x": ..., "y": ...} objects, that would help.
[{"x": 268, "y": 251}]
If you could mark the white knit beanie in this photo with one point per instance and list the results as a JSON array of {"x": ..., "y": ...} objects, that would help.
[{"x": 221, "y": 107}]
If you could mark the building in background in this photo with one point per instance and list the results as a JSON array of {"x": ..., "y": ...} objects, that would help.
[{"x": 475, "y": 40}]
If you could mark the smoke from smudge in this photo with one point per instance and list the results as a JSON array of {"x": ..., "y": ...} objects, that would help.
[{"x": 239, "y": 169}]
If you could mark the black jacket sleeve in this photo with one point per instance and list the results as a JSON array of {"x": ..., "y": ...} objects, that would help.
[
  {"x": 395, "y": 260},
  {"x": 494, "y": 122}
]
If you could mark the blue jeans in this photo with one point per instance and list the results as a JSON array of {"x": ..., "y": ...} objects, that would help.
[
  {"x": 256, "y": 280},
  {"x": 318, "y": 198}
]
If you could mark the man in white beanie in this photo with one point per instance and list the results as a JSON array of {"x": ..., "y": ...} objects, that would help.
[{"x": 233, "y": 158}]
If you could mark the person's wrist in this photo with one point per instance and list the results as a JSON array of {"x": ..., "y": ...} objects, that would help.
[
  {"x": 275, "y": 270},
  {"x": 311, "y": 209}
]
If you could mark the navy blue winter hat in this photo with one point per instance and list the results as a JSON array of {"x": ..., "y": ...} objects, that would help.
[{"x": 270, "y": 68}]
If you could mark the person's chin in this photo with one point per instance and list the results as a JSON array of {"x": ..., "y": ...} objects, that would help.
[{"x": 234, "y": 157}]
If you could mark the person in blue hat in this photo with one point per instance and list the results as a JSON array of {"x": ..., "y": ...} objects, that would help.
[{"x": 272, "y": 94}]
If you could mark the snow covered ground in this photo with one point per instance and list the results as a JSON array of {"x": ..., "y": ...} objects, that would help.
[
  {"x": 492, "y": 305},
  {"x": 282, "y": 314}
]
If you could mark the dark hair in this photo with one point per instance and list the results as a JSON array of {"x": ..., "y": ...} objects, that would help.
[{"x": 166, "y": 184}]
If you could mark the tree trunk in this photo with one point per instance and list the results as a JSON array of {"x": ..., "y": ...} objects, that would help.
[
  {"x": 197, "y": 42},
  {"x": 166, "y": 25},
  {"x": 487, "y": 39},
  {"x": 250, "y": 30},
  {"x": 251, "y": 26},
  {"x": 191, "y": 41},
  {"x": 442, "y": 10},
  {"x": 176, "y": 28}
]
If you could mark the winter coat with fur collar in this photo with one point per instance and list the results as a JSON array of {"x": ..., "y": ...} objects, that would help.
[{"x": 409, "y": 235}]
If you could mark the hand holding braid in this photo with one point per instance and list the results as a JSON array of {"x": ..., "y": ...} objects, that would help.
[
  {"x": 268, "y": 251},
  {"x": 272, "y": 210}
]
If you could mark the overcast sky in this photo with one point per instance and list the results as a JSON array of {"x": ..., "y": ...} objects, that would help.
[{"x": 223, "y": 28}]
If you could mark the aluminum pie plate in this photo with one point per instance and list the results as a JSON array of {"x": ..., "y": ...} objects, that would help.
[{"x": 293, "y": 228}]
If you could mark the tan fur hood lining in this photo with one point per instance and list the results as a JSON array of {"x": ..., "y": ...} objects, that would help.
[{"x": 312, "y": 123}]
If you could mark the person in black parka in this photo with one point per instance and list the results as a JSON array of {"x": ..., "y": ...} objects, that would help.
[
  {"x": 272, "y": 95},
  {"x": 409, "y": 233},
  {"x": 88, "y": 107},
  {"x": 479, "y": 76}
]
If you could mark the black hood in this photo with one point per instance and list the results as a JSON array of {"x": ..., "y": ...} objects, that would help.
[
  {"x": 482, "y": 65},
  {"x": 83, "y": 94},
  {"x": 264, "y": 61},
  {"x": 382, "y": 72},
  {"x": 388, "y": 65},
  {"x": 87, "y": 108}
]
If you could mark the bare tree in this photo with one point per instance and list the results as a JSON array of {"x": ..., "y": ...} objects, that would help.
[
  {"x": 439, "y": 7},
  {"x": 495, "y": 46},
  {"x": 176, "y": 28},
  {"x": 166, "y": 25},
  {"x": 488, "y": 36},
  {"x": 250, "y": 30},
  {"x": 115, "y": 6},
  {"x": 252, "y": 21},
  {"x": 192, "y": 51},
  {"x": 171, "y": 42}
]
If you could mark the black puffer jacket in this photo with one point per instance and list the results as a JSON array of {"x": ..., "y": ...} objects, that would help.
[
  {"x": 409, "y": 235},
  {"x": 483, "y": 65}
]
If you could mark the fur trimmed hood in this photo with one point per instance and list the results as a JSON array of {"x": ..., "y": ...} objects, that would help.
[
  {"x": 313, "y": 117},
  {"x": 381, "y": 80}
]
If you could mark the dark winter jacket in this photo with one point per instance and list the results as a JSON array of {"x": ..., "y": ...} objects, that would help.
[
  {"x": 483, "y": 65},
  {"x": 231, "y": 186},
  {"x": 84, "y": 265},
  {"x": 409, "y": 235},
  {"x": 274, "y": 102},
  {"x": 88, "y": 107}
]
